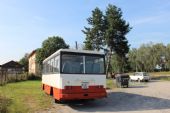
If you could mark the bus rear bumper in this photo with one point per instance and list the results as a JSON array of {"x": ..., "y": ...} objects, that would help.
[{"x": 83, "y": 96}]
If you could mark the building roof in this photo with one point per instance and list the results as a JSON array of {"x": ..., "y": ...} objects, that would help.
[
  {"x": 32, "y": 53},
  {"x": 12, "y": 64}
]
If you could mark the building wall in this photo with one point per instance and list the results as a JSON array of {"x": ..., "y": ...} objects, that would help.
[{"x": 32, "y": 64}]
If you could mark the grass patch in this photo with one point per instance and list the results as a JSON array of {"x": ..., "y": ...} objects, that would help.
[
  {"x": 160, "y": 76},
  {"x": 165, "y": 78},
  {"x": 25, "y": 97},
  {"x": 160, "y": 73},
  {"x": 110, "y": 84},
  {"x": 4, "y": 103}
]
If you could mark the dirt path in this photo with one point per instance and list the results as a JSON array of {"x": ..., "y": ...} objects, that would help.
[{"x": 152, "y": 97}]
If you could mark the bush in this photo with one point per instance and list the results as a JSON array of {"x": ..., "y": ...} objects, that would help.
[{"x": 33, "y": 77}]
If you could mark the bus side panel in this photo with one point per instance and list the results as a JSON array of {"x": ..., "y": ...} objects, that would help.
[
  {"x": 51, "y": 82},
  {"x": 47, "y": 88},
  {"x": 57, "y": 93}
]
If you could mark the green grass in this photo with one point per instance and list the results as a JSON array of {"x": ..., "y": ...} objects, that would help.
[
  {"x": 24, "y": 97},
  {"x": 160, "y": 73},
  {"x": 110, "y": 84},
  {"x": 27, "y": 96},
  {"x": 165, "y": 78}
]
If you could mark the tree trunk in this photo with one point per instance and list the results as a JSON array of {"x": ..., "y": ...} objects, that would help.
[{"x": 109, "y": 56}]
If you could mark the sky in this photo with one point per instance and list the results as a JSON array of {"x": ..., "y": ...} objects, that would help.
[{"x": 25, "y": 24}]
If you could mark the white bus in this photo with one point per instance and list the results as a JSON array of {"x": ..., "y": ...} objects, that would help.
[{"x": 74, "y": 74}]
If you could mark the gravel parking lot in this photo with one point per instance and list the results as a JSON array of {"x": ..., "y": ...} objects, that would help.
[{"x": 151, "y": 97}]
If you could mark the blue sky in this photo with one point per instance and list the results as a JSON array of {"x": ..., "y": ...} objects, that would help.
[{"x": 24, "y": 24}]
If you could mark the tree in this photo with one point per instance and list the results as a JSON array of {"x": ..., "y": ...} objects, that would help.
[
  {"x": 24, "y": 61},
  {"x": 49, "y": 46},
  {"x": 95, "y": 34},
  {"x": 167, "y": 57},
  {"x": 108, "y": 31},
  {"x": 148, "y": 56},
  {"x": 116, "y": 30},
  {"x": 40, "y": 55}
]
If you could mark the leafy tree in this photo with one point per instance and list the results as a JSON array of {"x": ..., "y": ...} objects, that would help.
[
  {"x": 24, "y": 61},
  {"x": 49, "y": 46},
  {"x": 167, "y": 57},
  {"x": 132, "y": 58},
  {"x": 108, "y": 31},
  {"x": 40, "y": 55},
  {"x": 148, "y": 56},
  {"x": 95, "y": 34},
  {"x": 88, "y": 42},
  {"x": 116, "y": 30}
]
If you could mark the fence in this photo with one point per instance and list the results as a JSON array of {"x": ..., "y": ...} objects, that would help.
[{"x": 6, "y": 76}]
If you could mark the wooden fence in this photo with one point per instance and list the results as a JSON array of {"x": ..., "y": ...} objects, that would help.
[{"x": 6, "y": 77}]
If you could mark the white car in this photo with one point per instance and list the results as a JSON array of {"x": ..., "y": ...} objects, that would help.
[{"x": 140, "y": 76}]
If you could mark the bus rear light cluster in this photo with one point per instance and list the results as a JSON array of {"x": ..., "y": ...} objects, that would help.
[{"x": 68, "y": 87}]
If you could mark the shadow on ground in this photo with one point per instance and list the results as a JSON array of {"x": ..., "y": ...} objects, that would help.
[{"x": 120, "y": 101}]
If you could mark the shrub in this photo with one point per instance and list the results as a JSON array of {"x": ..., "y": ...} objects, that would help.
[{"x": 33, "y": 77}]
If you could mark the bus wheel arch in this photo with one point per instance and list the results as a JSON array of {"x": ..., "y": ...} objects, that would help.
[
  {"x": 43, "y": 87},
  {"x": 51, "y": 91}
]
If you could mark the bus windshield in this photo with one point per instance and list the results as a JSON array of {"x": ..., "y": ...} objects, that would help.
[{"x": 82, "y": 64}]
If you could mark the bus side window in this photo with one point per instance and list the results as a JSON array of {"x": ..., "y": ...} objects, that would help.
[
  {"x": 48, "y": 65},
  {"x": 44, "y": 68},
  {"x": 52, "y": 65},
  {"x": 56, "y": 64}
]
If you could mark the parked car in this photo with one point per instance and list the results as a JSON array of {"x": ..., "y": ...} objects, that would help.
[
  {"x": 122, "y": 80},
  {"x": 140, "y": 76}
]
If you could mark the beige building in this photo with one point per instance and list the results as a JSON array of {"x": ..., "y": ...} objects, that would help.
[{"x": 32, "y": 63}]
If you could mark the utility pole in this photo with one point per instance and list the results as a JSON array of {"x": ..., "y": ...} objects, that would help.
[{"x": 76, "y": 45}]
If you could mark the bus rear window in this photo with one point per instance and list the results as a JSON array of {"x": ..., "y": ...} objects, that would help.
[
  {"x": 82, "y": 64},
  {"x": 94, "y": 65},
  {"x": 72, "y": 64}
]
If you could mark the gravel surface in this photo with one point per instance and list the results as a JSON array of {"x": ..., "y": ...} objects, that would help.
[{"x": 151, "y": 97}]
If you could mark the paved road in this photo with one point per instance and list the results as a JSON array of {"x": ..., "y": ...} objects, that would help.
[{"x": 151, "y": 97}]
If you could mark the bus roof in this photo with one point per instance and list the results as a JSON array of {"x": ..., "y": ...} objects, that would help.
[{"x": 73, "y": 51}]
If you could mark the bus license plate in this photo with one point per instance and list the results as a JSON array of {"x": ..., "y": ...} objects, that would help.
[{"x": 85, "y": 85}]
